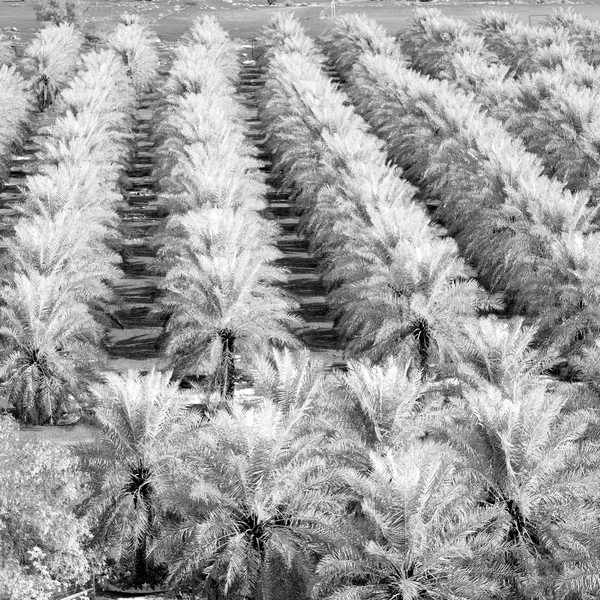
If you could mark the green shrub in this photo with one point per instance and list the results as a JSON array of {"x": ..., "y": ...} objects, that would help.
[
  {"x": 60, "y": 11},
  {"x": 41, "y": 538}
]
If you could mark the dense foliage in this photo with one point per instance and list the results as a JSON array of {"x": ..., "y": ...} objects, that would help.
[
  {"x": 42, "y": 541},
  {"x": 443, "y": 462}
]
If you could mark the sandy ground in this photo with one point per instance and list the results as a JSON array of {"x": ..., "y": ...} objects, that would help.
[{"x": 244, "y": 18}]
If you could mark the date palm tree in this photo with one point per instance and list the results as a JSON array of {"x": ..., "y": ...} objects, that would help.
[
  {"x": 50, "y": 345},
  {"x": 136, "y": 45},
  {"x": 51, "y": 60},
  {"x": 394, "y": 301},
  {"x": 407, "y": 536},
  {"x": 141, "y": 418},
  {"x": 531, "y": 459},
  {"x": 256, "y": 504},
  {"x": 222, "y": 293}
]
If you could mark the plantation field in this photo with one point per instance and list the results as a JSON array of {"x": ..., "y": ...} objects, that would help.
[{"x": 328, "y": 291}]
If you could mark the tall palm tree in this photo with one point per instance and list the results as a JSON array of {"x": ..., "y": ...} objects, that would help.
[
  {"x": 256, "y": 504},
  {"x": 222, "y": 293},
  {"x": 407, "y": 536},
  {"x": 50, "y": 345},
  {"x": 141, "y": 419},
  {"x": 395, "y": 301},
  {"x": 531, "y": 460}
]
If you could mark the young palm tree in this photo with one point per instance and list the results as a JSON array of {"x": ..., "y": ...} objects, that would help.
[
  {"x": 141, "y": 421},
  {"x": 410, "y": 537},
  {"x": 50, "y": 345},
  {"x": 51, "y": 60},
  {"x": 222, "y": 293},
  {"x": 256, "y": 504},
  {"x": 287, "y": 377}
]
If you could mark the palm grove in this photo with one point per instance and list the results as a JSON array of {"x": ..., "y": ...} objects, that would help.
[{"x": 455, "y": 457}]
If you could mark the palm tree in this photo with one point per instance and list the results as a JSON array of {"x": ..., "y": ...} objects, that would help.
[
  {"x": 256, "y": 504},
  {"x": 380, "y": 406},
  {"x": 141, "y": 419},
  {"x": 50, "y": 345},
  {"x": 527, "y": 457},
  {"x": 51, "y": 59},
  {"x": 408, "y": 536},
  {"x": 502, "y": 353},
  {"x": 398, "y": 300},
  {"x": 222, "y": 293},
  {"x": 136, "y": 45}
]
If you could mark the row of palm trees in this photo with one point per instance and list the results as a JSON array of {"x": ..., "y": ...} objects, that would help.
[
  {"x": 553, "y": 115},
  {"x": 396, "y": 285},
  {"x": 368, "y": 483},
  {"x": 223, "y": 295},
  {"x": 62, "y": 261},
  {"x": 526, "y": 234},
  {"x": 479, "y": 481}
]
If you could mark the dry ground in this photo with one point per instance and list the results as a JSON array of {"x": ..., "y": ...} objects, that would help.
[{"x": 244, "y": 18}]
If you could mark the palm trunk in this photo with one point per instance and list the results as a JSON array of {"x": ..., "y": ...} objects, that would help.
[
  {"x": 423, "y": 336},
  {"x": 227, "y": 375}
]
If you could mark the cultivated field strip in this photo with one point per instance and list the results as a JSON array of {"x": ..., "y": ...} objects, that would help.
[
  {"x": 393, "y": 282},
  {"x": 49, "y": 64},
  {"x": 558, "y": 120},
  {"x": 62, "y": 258},
  {"x": 304, "y": 281},
  {"x": 524, "y": 232},
  {"x": 224, "y": 298},
  {"x": 15, "y": 110},
  {"x": 133, "y": 339}
]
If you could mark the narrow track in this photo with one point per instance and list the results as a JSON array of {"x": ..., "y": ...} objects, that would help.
[
  {"x": 133, "y": 341},
  {"x": 24, "y": 162},
  {"x": 305, "y": 283}
]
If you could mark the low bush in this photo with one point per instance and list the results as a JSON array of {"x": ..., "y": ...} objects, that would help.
[{"x": 41, "y": 538}]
